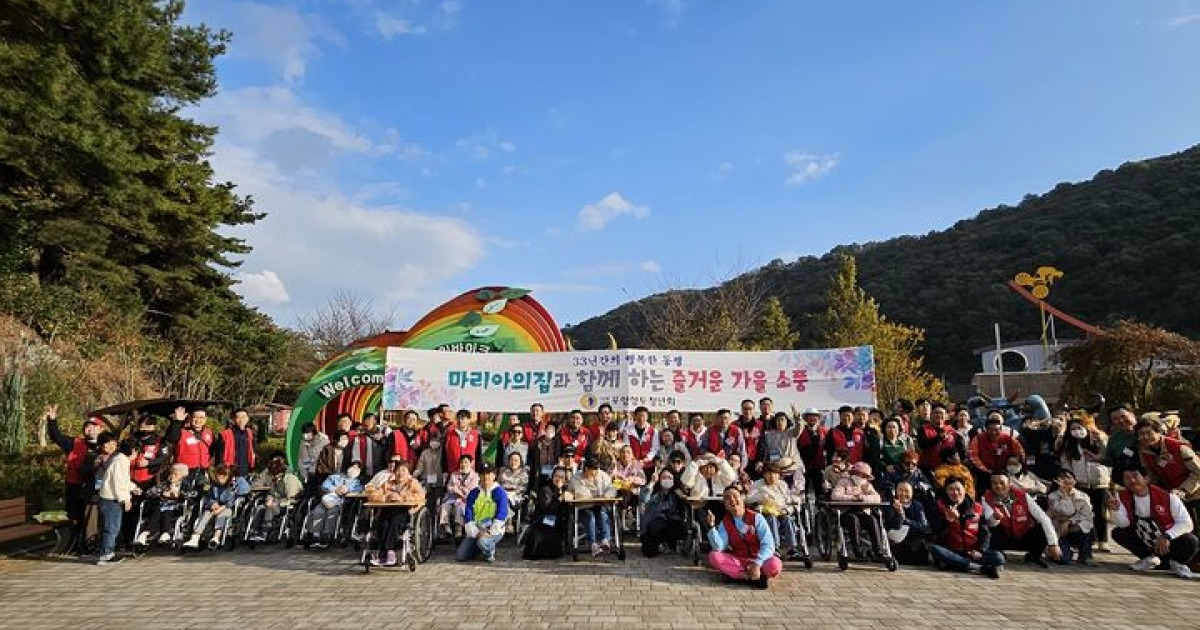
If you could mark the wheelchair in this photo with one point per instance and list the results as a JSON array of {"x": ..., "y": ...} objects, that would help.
[
  {"x": 832, "y": 537},
  {"x": 798, "y": 517},
  {"x": 278, "y": 531},
  {"x": 695, "y": 543},
  {"x": 179, "y": 532},
  {"x": 416, "y": 544}
]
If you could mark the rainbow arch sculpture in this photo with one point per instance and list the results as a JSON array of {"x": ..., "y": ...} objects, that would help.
[{"x": 487, "y": 319}]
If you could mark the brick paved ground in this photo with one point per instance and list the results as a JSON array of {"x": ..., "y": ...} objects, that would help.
[{"x": 277, "y": 588}]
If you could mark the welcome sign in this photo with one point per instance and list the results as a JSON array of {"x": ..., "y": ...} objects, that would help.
[{"x": 658, "y": 379}]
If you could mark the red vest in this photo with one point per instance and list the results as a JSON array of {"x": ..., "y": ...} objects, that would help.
[
  {"x": 229, "y": 454},
  {"x": 641, "y": 446},
  {"x": 716, "y": 444},
  {"x": 580, "y": 440},
  {"x": 1016, "y": 524},
  {"x": 691, "y": 441},
  {"x": 742, "y": 546},
  {"x": 993, "y": 455},
  {"x": 143, "y": 474},
  {"x": 1168, "y": 467},
  {"x": 400, "y": 446},
  {"x": 75, "y": 459},
  {"x": 806, "y": 441},
  {"x": 455, "y": 450},
  {"x": 932, "y": 457},
  {"x": 840, "y": 442},
  {"x": 192, "y": 451},
  {"x": 1160, "y": 507},
  {"x": 961, "y": 536},
  {"x": 752, "y": 436}
]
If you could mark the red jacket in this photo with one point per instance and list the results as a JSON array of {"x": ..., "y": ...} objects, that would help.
[
  {"x": 752, "y": 435},
  {"x": 75, "y": 460},
  {"x": 1019, "y": 522},
  {"x": 717, "y": 444},
  {"x": 1160, "y": 507},
  {"x": 989, "y": 456},
  {"x": 192, "y": 450},
  {"x": 1167, "y": 466},
  {"x": 454, "y": 449},
  {"x": 931, "y": 456},
  {"x": 743, "y": 546},
  {"x": 812, "y": 449},
  {"x": 962, "y": 536},
  {"x": 229, "y": 451},
  {"x": 855, "y": 443},
  {"x": 142, "y": 474},
  {"x": 580, "y": 440},
  {"x": 641, "y": 446}
]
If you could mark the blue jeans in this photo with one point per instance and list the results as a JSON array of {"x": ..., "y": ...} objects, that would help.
[
  {"x": 596, "y": 522},
  {"x": 110, "y": 525},
  {"x": 955, "y": 561},
  {"x": 784, "y": 530},
  {"x": 469, "y": 547},
  {"x": 1073, "y": 541}
]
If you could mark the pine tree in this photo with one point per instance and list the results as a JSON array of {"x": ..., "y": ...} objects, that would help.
[
  {"x": 773, "y": 330},
  {"x": 852, "y": 318}
]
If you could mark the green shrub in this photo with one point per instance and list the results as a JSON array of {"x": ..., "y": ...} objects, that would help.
[{"x": 38, "y": 477}]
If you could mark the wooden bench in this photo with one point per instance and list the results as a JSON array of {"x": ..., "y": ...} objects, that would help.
[{"x": 14, "y": 525}]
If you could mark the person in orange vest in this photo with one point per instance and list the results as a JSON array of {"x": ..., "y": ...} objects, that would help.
[
  {"x": 193, "y": 442},
  {"x": 743, "y": 548},
  {"x": 1152, "y": 524},
  {"x": 235, "y": 445},
  {"x": 1018, "y": 522},
  {"x": 963, "y": 543},
  {"x": 81, "y": 451},
  {"x": 990, "y": 449},
  {"x": 1172, "y": 464}
]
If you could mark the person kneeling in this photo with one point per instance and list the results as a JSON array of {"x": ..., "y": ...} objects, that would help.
[
  {"x": 485, "y": 515},
  {"x": 394, "y": 485},
  {"x": 962, "y": 540},
  {"x": 1152, "y": 524},
  {"x": 743, "y": 549}
]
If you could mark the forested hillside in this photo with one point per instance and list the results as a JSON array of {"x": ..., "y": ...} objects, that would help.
[{"x": 1127, "y": 240}]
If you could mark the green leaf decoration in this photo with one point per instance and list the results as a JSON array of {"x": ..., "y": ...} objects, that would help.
[
  {"x": 486, "y": 330},
  {"x": 495, "y": 306},
  {"x": 485, "y": 295},
  {"x": 474, "y": 318},
  {"x": 514, "y": 293}
]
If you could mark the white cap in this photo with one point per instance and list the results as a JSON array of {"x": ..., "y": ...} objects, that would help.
[{"x": 811, "y": 411}]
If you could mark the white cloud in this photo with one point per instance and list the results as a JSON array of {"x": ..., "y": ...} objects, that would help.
[
  {"x": 263, "y": 288},
  {"x": 806, "y": 167},
  {"x": 671, "y": 11},
  {"x": 282, "y": 37},
  {"x": 645, "y": 266},
  {"x": 725, "y": 167},
  {"x": 595, "y": 216},
  {"x": 389, "y": 26},
  {"x": 1182, "y": 20},
  {"x": 543, "y": 288},
  {"x": 482, "y": 146},
  {"x": 451, "y": 7}
]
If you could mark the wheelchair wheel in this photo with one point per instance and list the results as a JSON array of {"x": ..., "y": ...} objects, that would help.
[
  {"x": 892, "y": 565},
  {"x": 412, "y": 563},
  {"x": 697, "y": 536},
  {"x": 824, "y": 538},
  {"x": 422, "y": 535}
]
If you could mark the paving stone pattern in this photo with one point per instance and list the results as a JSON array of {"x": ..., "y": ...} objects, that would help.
[{"x": 293, "y": 589}]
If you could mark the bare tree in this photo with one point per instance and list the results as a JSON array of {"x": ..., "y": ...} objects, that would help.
[
  {"x": 718, "y": 318},
  {"x": 344, "y": 319}
]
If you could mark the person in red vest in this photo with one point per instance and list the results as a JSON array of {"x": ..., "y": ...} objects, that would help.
[
  {"x": 1018, "y": 522},
  {"x": 846, "y": 436},
  {"x": 990, "y": 449},
  {"x": 408, "y": 440},
  {"x": 694, "y": 435},
  {"x": 149, "y": 455},
  {"x": 1152, "y": 524},
  {"x": 673, "y": 420},
  {"x": 743, "y": 549},
  {"x": 373, "y": 447},
  {"x": 963, "y": 543},
  {"x": 752, "y": 432},
  {"x": 643, "y": 439},
  {"x": 595, "y": 430},
  {"x": 724, "y": 438},
  {"x": 235, "y": 445},
  {"x": 573, "y": 434},
  {"x": 81, "y": 451},
  {"x": 193, "y": 443},
  {"x": 1172, "y": 464},
  {"x": 811, "y": 444},
  {"x": 462, "y": 440},
  {"x": 937, "y": 434}
]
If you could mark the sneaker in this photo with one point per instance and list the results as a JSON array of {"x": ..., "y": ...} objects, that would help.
[
  {"x": 1038, "y": 560},
  {"x": 142, "y": 539},
  {"x": 377, "y": 560},
  {"x": 108, "y": 559},
  {"x": 1145, "y": 564},
  {"x": 258, "y": 538},
  {"x": 606, "y": 545},
  {"x": 991, "y": 571},
  {"x": 318, "y": 545},
  {"x": 193, "y": 542},
  {"x": 491, "y": 558},
  {"x": 1182, "y": 570},
  {"x": 105, "y": 557},
  {"x": 390, "y": 561},
  {"x": 1103, "y": 547},
  {"x": 596, "y": 549},
  {"x": 164, "y": 538}
]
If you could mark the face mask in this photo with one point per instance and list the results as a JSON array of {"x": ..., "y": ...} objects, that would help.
[
  {"x": 308, "y": 437},
  {"x": 1013, "y": 470},
  {"x": 435, "y": 445},
  {"x": 352, "y": 473},
  {"x": 1079, "y": 433},
  {"x": 667, "y": 484}
]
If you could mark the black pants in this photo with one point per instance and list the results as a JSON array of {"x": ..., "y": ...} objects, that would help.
[
  {"x": 392, "y": 522},
  {"x": 912, "y": 551},
  {"x": 1033, "y": 542},
  {"x": 1099, "y": 499},
  {"x": 1183, "y": 549},
  {"x": 74, "y": 502},
  {"x": 661, "y": 531},
  {"x": 160, "y": 521}
]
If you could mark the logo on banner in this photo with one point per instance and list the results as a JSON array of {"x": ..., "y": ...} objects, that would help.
[{"x": 588, "y": 401}]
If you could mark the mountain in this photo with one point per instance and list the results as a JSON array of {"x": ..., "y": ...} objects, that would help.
[{"x": 1128, "y": 241}]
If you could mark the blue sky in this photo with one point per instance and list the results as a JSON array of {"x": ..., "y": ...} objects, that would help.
[{"x": 597, "y": 151}]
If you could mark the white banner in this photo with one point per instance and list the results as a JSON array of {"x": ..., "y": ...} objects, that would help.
[{"x": 658, "y": 379}]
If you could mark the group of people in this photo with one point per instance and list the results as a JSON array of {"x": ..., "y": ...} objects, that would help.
[{"x": 954, "y": 487}]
